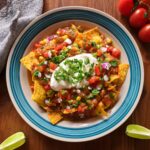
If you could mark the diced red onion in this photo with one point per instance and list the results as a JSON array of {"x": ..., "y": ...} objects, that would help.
[
  {"x": 106, "y": 65},
  {"x": 52, "y": 37}
]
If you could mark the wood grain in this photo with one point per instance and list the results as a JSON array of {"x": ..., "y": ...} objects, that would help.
[{"x": 11, "y": 122}]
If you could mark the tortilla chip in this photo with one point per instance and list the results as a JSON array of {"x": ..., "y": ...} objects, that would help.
[
  {"x": 74, "y": 27},
  {"x": 122, "y": 72},
  {"x": 114, "y": 78},
  {"x": 54, "y": 117},
  {"x": 39, "y": 93},
  {"x": 29, "y": 60},
  {"x": 91, "y": 35},
  {"x": 94, "y": 34},
  {"x": 100, "y": 110},
  {"x": 111, "y": 88}
]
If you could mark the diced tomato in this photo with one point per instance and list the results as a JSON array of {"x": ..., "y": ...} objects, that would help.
[
  {"x": 116, "y": 53},
  {"x": 37, "y": 45},
  {"x": 38, "y": 52},
  {"x": 97, "y": 70},
  {"x": 94, "y": 79},
  {"x": 52, "y": 66},
  {"x": 60, "y": 46},
  {"x": 61, "y": 32},
  {"x": 80, "y": 109},
  {"x": 110, "y": 49},
  {"x": 42, "y": 68},
  {"x": 47, "y": 87},
  {"x": 99, "y": 53},
  {"x": 68, "y": 96},
  {"x": 45, "y": 55},
  {"x": 107, "y": 102}
]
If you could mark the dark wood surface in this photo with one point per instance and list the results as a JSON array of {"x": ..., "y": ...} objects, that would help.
[{"x": 11, "y": 122}]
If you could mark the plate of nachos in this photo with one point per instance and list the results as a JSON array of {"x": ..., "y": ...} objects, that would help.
[{"x": 75, "y": 74}]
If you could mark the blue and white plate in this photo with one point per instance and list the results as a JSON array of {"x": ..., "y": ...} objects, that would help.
[{"x": 17, "y": 78}]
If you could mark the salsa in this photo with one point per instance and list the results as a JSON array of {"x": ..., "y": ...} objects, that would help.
[{"x": 76, "y": 73}]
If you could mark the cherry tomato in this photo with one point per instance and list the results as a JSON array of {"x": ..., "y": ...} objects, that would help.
[
  {"x": 144, "y": 33},
  {"x": 116, "y": 53},
  {"x": 139, "y": 18},
  {"x": 125, "y": 7}
]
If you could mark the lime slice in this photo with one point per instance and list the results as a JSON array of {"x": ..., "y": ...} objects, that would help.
[
  {"x": 137, "y": 131},
  {"x": 13, "y": 142}
]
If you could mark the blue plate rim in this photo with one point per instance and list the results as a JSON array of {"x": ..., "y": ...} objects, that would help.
[{"x": 112, "y": 19}]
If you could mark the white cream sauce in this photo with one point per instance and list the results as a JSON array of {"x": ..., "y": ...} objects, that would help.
[{"x": 55, "y": 85}]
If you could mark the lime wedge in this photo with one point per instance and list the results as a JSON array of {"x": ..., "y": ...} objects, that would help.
[
  {"x": 137, "y": 131},
  {"x": 13, "y": 141}
]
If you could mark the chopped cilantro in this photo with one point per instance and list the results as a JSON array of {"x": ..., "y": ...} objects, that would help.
[
  {"x": 114, "y": 63},
  {"x": 87, "y": 60},
  {"x": 111, "y": 95},
  {"x": 59, "y": 58},
  {"x": 36, "y": 72},
  {"x": 95, "y": 92},
  {"x": 40, "y": 64},
  {"x": 93, "y": 44}
]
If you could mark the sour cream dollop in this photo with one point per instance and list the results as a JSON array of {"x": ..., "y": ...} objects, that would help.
[{"x": 60, "y": 85}]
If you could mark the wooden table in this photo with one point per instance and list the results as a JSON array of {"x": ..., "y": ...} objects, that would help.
[{"x": 11, "y": 122}]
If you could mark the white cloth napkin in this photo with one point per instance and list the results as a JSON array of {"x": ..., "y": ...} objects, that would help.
[{"x": 14, "y": 16}]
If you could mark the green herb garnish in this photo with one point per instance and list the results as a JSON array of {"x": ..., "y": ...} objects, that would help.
[
  {"x": 95, "y": 92},
  {"x": 93, "y": 44},
  {"x": 114, "y": 63},
  {"x": 73, "y": 72},
  {"x": 87, "y": 61},
  {"x": 36, "y": 72},
  {"x": 60, "y": 58}
]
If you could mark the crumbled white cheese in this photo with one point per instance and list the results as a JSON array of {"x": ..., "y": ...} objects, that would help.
[
  {"x": 48, "y": 76},
  {"x": 67, "y": 107},
  {"x": 45, "y": 62},
  {"x": 89, "y": 88},
  {"x": 59, "y": 100},
  {"x": 105, "y": 78},
  {"x": 47, "y": 101},
  {"x": 78, "y": 91},
  {"x": 69, "y": 47},
  {"x": 103, "y": 49},
  {"x": 39, "y": 75},
  {"x": 49, "y": 54},
  {"x": 68, "y": 41}
]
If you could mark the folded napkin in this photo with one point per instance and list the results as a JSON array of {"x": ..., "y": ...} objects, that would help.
[{"x": 14, "y": 16}]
